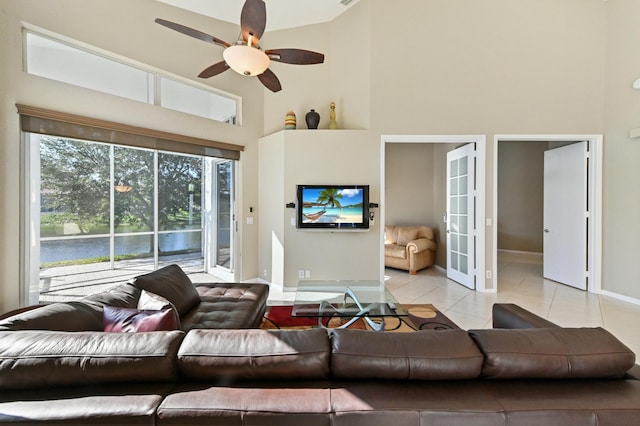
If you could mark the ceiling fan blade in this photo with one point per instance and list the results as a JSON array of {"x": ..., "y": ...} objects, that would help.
[
  {"x": 295, "y": 56},
  {"x": 192, "y": 33},
  {"x": 270, "y": 81},
  {"x": 214, "y": 69},
  {"x": 253, "y": 20}
]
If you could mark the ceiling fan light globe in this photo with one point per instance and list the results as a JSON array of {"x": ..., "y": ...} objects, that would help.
[{"x": 246, "y": 60}]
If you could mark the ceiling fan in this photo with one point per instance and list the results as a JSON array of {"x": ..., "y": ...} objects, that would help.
[{"x": 245, "y": 56}]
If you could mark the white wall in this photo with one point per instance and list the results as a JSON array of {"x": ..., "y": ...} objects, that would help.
[
  {"x": 318, "y": 157},
  {"x": 410, "y": 184},
  {"x": 621, "y": 228}
]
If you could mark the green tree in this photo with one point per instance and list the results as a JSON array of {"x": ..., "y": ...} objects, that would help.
[
  {"x": 180, "y": 181},
  {"x": 330, "y": 196},
  {"x": 75, "y": 182},
  {"x": 76, "y": 186}
]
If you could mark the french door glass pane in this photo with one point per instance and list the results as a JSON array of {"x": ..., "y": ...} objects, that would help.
[
  {"x": 464, "y": 268},
  {"x": 463, "y": 200},
  {"x": 463, "y": 185},
  {"x": 462, "y": 167}
]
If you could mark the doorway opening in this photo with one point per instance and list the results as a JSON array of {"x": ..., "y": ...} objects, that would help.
[
  {"x": 478, "y": 212},
  {"x": 594, "y": 196}
]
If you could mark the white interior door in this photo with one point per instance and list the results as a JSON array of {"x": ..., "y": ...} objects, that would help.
[
  {"x": 461, "y": 184},
  {"x": 566, "y": 215}
]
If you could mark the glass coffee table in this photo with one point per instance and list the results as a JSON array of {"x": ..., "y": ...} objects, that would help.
[{"x": 350, "y": 299}]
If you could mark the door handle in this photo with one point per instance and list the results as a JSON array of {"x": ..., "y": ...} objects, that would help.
[{"x": 546, "y": 230}]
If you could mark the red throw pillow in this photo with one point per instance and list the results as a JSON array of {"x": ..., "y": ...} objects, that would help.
[{"x": 126, "y": 320}]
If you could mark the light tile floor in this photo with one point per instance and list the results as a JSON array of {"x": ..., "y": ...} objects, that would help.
[{"x": 519, "y": 281}]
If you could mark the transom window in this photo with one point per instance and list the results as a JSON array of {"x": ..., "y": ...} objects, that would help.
[{"x": 70, "y": 63}]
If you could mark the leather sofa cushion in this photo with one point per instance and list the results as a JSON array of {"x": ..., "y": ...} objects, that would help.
[
  {"x": 37, "y": 359},
  {"x": 107, "y": 404},
  {"x": 124, "y": 296},
  {"x": 63, "y": 316},
  {"x": 173, "y": 284},
  {"x": 552, "y": 353},
  {"x": 261, "y": 403},
  {"x": 423, "y": 355},
  {"x": 227, "y": 306},
  {"x": 254, "y": 354}
]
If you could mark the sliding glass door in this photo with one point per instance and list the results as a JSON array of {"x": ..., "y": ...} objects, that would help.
[
  {"x": 221, "y": 216},
  {"x": 109, "y": 212}
]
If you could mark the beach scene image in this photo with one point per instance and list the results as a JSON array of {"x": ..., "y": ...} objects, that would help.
[{"x": 332, "y": 205}]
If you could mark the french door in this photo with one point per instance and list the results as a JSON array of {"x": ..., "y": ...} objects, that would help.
[
  {"x": 566, "y": 215},
  {"x": 461, "y": 206}
]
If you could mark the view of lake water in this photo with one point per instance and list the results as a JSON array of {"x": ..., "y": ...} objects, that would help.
[{"x": 88, "y": 248}]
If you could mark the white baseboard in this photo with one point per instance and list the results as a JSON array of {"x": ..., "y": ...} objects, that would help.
[
  {"x": 257, "y": 281},
  {"x": 521, "y": 253},
  {"x": 620, "y": 297}
]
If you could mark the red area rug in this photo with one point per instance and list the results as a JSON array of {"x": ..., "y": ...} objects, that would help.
[{"x": 421, "y": 317}]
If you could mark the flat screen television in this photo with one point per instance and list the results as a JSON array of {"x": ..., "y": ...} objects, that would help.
[{"x": 332, "y": 207}]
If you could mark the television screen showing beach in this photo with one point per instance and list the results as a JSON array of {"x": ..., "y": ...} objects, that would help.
[{"x": 332, "y": 205}]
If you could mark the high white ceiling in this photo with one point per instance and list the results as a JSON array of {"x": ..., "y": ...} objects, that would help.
[{"x": 280, "y": 13}]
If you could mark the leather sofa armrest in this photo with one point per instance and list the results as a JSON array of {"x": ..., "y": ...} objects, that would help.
[
  {"x": 420, "y": 245},
  {"x": 633, "y": 373},
  {"x": 509, "y": 315}
]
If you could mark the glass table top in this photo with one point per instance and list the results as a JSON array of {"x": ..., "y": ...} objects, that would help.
[{"x": 345, "y": 298}]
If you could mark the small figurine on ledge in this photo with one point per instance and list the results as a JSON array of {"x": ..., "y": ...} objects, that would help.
[
  {"x": 333, "y": 124},
  {"x": 290, "y": 120}
]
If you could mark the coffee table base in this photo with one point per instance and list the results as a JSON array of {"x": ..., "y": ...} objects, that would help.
[{"x": 362, "y": 313}]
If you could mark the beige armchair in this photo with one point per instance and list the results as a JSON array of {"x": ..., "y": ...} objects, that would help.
[{"x": 411, "y": 248}]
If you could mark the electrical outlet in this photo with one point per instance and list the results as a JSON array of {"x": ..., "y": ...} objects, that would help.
[
  {"x": 265, "y": 273},
  {"x": 489, "y": 274},
  {"x": 307, "y": 273},
  {"x": 300, "y": 273}
]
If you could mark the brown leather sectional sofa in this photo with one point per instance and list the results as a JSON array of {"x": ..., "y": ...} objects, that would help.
[{"x": 501, "y": 376}]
